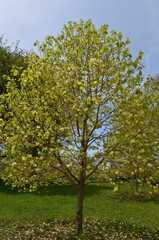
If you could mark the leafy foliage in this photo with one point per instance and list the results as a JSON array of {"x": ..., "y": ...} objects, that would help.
[
  {"x": 137, "y": 160},
  {"x": 10, "y": 58},
  {"x": 79, "y": 103}
]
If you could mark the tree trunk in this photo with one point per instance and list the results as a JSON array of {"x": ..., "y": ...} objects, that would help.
[
  {"x": 79, "y": 210},
  {"x": 137, "y": 187}
]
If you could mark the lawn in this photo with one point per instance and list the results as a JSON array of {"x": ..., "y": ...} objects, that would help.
[{"x": 59, "y": 202}]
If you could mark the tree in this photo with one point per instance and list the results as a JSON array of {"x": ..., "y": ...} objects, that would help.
[
  {"x": 137, "y": 160},
  {"x": 68, "y": 106},
  {"x": 10, "y": 58}
]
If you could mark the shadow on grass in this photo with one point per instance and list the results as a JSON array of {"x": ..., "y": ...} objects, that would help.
[
  {"x": 130, "y": 196},
  {"x": 55, "y": 189},
  {"x": 90, "y": 189}
]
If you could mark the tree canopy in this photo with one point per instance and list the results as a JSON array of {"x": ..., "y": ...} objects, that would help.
[
  {"x": 80, "y": 102},
  {"x": 10, "y": 56}
]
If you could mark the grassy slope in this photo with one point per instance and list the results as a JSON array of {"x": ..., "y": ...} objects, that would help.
[{"x": 60, "y": 201}]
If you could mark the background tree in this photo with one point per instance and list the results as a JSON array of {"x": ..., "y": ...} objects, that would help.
[
  {"x": 137, "y": 160},
  {"x": 67, "y": 106},
  {"x": 10, "y": 56}
]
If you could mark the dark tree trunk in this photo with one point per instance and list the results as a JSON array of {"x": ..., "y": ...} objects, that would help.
[
  {"x": 137, "y": 187},
  {"x": 79, "y": 210}
]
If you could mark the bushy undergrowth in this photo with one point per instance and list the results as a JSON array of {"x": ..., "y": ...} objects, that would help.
[{"x": 64, "y": 230}]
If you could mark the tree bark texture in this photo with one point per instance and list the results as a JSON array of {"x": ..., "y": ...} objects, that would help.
[{"x": 79, "y": 210}]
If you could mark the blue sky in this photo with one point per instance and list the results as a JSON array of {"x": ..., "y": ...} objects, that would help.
[{"x": 31, "y": 20}]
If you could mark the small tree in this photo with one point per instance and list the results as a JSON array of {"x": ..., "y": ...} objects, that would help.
[
  {"x": 62, "y": 118},
  {"x": 137, "y": 159}
]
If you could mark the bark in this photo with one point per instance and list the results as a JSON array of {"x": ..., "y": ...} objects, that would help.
[
  {"x": 79, "y": 210},
  {"x": 137, "y": 187}
]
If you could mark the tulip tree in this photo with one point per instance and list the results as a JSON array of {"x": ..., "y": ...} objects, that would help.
[
  {"x": 61, "y": 121},
  {"x": 137, "y": 159}
]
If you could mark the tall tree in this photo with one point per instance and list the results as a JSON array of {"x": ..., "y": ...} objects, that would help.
[{"x": 67, "y": 106}]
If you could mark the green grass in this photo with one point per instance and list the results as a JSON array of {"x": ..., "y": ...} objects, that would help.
[{"x": 59, "y": 202}]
